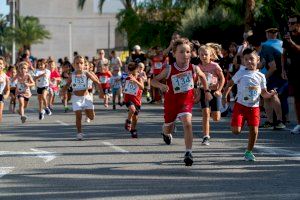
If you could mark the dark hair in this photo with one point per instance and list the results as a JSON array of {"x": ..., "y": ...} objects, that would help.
[
  {"x": 67, "y": 64},
  {"x": 40, "y": 62},
  {"x": 180, "y": 41},
  {"x": 132, "y": 66},
  {"x": 249, "y": 51}
]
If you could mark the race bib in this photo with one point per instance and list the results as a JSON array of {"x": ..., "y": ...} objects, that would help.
[
  {"x": 182, "y": 82},
  {"x": 103, "y": 79},
  {"x": 210, "y": 79},
  {"x": 21, "y": 87},
  {"x": 79, "y": 83},
  {"x": 131, "y": 88},
  {"x": 251, "y": 94},
  {"x": 158, "y": 65}
]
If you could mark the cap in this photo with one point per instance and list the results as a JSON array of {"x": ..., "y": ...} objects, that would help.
[
  {"x": 272, "y": 30},
  {"x": 136, "y": 47}
]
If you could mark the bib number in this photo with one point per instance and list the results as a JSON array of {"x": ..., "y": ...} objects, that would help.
[
  {"x": 79, "y": 83},
  {"x": 131, "y": 88},
  {"x": 182, "y": 82},
  {"x": 250, "y": 94},
  {"x": 103, "y": 79},
  {"x": 158, "y": 65}
]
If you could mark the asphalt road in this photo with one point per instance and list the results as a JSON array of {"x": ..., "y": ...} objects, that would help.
[{"x": 43, "y": 160}]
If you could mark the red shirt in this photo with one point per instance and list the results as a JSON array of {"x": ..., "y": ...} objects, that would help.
[
  {"x": 157, "y": 63},
  {"x": 104, "y": 78},
  {"x": 53, "y": 82},
  {"x": 132, "y": 92}
]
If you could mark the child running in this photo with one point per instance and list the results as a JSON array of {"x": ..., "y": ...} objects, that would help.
[
  {"x": 251, "y": 84},
  {"x": 179, "y": 94},
  {"x": 65, "y": 75},
  {"x": 13, "y": 85},
  {"x": 104, "y": 77},
  {"x": 4, "y": 86},
  {"x": 133, "y": 91},
  {"x": 23, "y": 93},
  {"x": 116, "y": 86},
  {"x": 81, "y": 99},
  {"x": 54, "y": 81},
  {"x": 215, "y": 80},
  {"x": 42, "y": 79}
]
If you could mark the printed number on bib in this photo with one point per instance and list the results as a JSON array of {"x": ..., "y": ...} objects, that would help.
[
  {"x": 79, "y": 83},
  {"x": 103, "y": 79},
  {"x": 158, "y": 65},
  {"x": 182, "y": 82},
  {"x": 251, "y": 94},
  {"x": 21, "y": 87},
  {"x": 131, "y": 88}
]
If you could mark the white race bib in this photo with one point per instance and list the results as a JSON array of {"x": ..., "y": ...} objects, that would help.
[
  {"x": 158, "y": 65},
  {"x": 182, "y": 82},
  {"x": 79, "y": 83},
  {"x": 103, "y": 79},
  {"x": 251, "y": 94},
  {"x": 131, "y": 88},
  {"x": 210, "y": 79},
  {"x": 21, "y": 87}
]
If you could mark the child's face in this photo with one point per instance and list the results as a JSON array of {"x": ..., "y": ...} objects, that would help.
[
  {"x": 204, "y": 56},
  {"x": 24, "y": 69},
  {"x": 105, "y": 68},
  {"x": 1, "y": 65},
  {"x": 42, "y": 66},
  {"x": 134, "y": 72},
  {"x": 141, "y": 68},
  {"x": 14, "y": 72},
  {"x": 183, "y": 54},
  {"x": 65, "y": 68},
  {"x": 251, "y": 61},
  {"x": 115, "y": 72},
  {"x": 79, "y": 64},
  {"x": 51, "y": 64}
]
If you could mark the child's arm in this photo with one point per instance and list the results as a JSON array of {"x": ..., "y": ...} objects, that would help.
[
  {"x": 139, "y": 82},
  {"x": 267, "y": 95},
  {"x": 155, "y": 81},
  {"x": 220, "y": 74},
  {"x": 65, "y": 87},
  {"x": 30, "y": 82},
  {"x": 7, "y": 88},
  {"x": 93, "y": 77}
]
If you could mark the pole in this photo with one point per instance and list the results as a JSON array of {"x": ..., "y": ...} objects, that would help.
[
  {"x": 70, "y": 43},
  {"x": 13, "y": 25},
  {"x": 108, "y": 37}
]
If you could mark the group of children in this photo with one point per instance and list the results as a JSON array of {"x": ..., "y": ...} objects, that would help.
[{"x": 181, "y": 83}]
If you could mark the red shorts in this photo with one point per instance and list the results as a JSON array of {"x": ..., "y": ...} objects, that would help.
[
  {"x": 173, "y": 111},
  {"x": 243, "y": 113}
]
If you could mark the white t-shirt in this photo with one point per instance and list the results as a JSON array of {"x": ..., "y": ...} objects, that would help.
[
  {"x": 44, "y": 80},
  {"x": 249, "y": 84},
  {"x": 3, "y": 78}
]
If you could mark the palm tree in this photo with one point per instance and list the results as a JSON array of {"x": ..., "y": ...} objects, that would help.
[
  {"x": 29, "y": 31},
  {"x": 128, "y": 4}
]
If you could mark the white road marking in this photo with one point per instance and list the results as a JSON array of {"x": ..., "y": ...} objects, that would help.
[
  {"x": 5, "y": 170},
  {"x": 62, "y": 123},
  {"x": 45, "y": 155},
  {"x": 278, "y": 151},
  {"x": 118, "y": 149}
]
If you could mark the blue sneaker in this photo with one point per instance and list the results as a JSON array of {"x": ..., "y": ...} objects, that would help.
[{"x": 249, "y": 156}]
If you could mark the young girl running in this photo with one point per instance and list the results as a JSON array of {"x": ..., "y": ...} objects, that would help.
[
  {"x": 251, "y": 84},
  {"x": 81, "y": 99},
  {"x": 54, "y": 80},
  {"x": 23, "y": 93},
  {"x": 13, "y": 85},
  {"x": 133, "y": 91},
  {"x": 179, "y": 94},
  {"x": 215, "y": 80},
  {"x": 65, "y": 74},
  {"x": 42, "y": 79},
  {"x": 4, "y": 86},
  {"x": 104, "y": 78}
]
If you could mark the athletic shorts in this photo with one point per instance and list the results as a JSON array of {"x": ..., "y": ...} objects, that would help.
[
  {"x": 21, "y": 96},
  {"x": 82, "y": 102},
  {"x": 106, "y": 91},
  {"x": 243, "y": 113},
  {"x": 115, "y": 90},
  {"x": 172, "y": 111},
  {"x": 137, "y": 108},
  {"x": 13, "y": 91},
  {"x": 1, "y": 98},
  {"x": 213, "y": 104},
  {"x": 41, "y": 90}
]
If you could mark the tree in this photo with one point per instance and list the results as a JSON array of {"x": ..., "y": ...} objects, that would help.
[
  {"x": 4, "y": 39},
  {"x": 28, "y": 31}
]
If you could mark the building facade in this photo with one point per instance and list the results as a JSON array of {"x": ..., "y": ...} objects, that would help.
[{"x": 84, "y": 31}]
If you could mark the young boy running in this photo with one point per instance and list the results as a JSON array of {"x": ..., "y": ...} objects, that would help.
[{"x": 251, "y": 84}]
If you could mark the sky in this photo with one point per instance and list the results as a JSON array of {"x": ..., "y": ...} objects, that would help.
[{"x": 4, "y": 9}]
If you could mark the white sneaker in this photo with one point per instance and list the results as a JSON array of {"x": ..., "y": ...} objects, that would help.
[
  {"x": 79, "y": 136},
  {"x": 87, "y": 120},
  {"x": 296, "y": 130}
]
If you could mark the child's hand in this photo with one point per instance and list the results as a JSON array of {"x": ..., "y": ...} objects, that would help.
[
  {"x": 273, "y": 93},
  {"x": 164, "y": 88},
  {"x": 217, "y": 93}
]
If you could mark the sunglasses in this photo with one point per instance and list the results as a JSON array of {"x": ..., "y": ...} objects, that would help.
[{"x": 292, "y": 23}]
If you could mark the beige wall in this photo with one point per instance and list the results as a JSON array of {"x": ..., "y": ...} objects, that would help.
[{"x": 89, "y": 29}]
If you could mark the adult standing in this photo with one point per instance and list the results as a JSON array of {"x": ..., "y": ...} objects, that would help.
[{"x": 290, "y": 63}]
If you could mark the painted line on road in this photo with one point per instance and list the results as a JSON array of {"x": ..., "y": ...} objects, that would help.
[
  {"x": 62, "y": 123},
  {"x": 5, "y": 170},
  {"x": 118, "y": 149},
  {"x": 278, "y": 151}
]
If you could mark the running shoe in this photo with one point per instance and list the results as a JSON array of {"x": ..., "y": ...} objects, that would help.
[
  {"x": 87, "y": 120},
  {"x": 134, "y": 134},
  {"x": 66, "y": 108},
  {"x": 296, "y": 130},
  {"x": 188, "y": 159},
  {"x": 249, "y": 156},
  {"x": 205, "y": 141},
  {"x": 23, "y": 118},
  {"x": 79, "y": 136},
  {"x": 41, "y": 116},
  {"x": 279, "y": 125},
  {"x": 167, "y": 138},
  {"x": 48, "y": 111},
  {"x": 127, "y": 125},
  {"x": 120, "y": 104},
  {"x": 266, "y": 125}
]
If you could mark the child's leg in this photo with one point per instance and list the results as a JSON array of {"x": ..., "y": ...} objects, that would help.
[
  {"x": 205, "y": 121},
  {"x": 25, "y": 103},
  {"x": 216, "y": 115},
  {"x": 119, "y": 95},
  {"x": 106, "y": 100},
  {"x": 21, "y": 106},
  {"x": 40, "y": 102},
  {"x": 253, "y": 133},
  {"x": 236, "y": 130},
  {"x": 114, "y": 98},
  {"x": 168, "y": 129},
  {"x": 78, "y": 114},
  {"x": 90, "y": 113},
  {"x": 44, "y": 98},
  {"x": 1, "y": 110},
  {"x": 188, "y": 131},
  {"x": 131, "y": 112}
]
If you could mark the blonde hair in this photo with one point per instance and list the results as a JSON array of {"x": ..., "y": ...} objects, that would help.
[
  {"x": 212, "y": 52},
  {"x": 22, "y": 64}
]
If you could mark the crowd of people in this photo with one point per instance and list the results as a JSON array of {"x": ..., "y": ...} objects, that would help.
[{"x": 250, "y": 81}]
